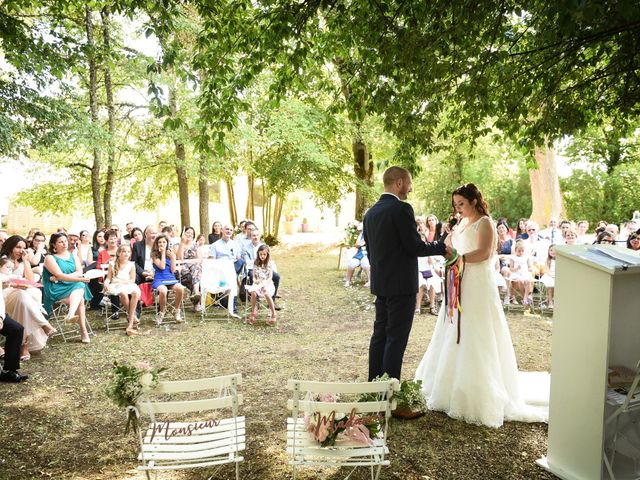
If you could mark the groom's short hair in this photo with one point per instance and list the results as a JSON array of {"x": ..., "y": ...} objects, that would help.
[{"x": 394, "y": 173}]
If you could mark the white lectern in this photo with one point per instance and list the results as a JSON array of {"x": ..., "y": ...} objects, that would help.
[{"x": 595, "y": 324}]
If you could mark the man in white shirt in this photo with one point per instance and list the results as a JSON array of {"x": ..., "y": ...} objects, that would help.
[
  {"x": 537, "y": 247},
  {"x": 246, "y": 239},
  {"x": 228, "y": 248},
  {"x": 13, "y": 332},
  {"x": 552, "y": 232},
  {"x": 250, "y": 250}
]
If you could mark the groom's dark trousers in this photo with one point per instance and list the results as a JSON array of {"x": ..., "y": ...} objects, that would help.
[{"x": 393, "y": 248}]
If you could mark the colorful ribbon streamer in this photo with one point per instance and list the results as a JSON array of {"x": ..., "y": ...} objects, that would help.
[{"x": 453, "y": 289}]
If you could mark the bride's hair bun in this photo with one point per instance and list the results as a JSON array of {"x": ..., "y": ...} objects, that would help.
[{"x": 471, "y": 193}]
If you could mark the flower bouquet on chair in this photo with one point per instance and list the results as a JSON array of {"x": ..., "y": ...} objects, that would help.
[{"x": 128, "y": 383}]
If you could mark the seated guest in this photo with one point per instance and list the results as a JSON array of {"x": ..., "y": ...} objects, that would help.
[
  {"x": 633, "y": 241},
  {"x": 570, "y": 236},
  {"x": 521, "y": 230},
  {"x": 109, "y": 253},
  {"x": 191, "y": 273},
  {"x": 24, "y": 304},
  {"x": 613, "y": 229},
  {"x": 37, "y": 251},
  {"x": 549, "y": 277},
  {"x": 141, "y": 255},
  {"x": 250, "y": 251},
  {"x": 536, "y": 248},
  {"x": 583, "y": 237},
  {"x": 73, "y": 243},
  {"x": 129, "y": 228},
  {"x": 14, "y": 333},
  {"x": 121, "y": 282},
  {"x": 434, "y": 228},
  {"x": 85, "y": 249},
  {"x": 565, "y": 225},
  {"x": 3, "y": 237},
  {"x": 136, "y": 236},
  {"x": 421, "y": 224},
  {"x": 360, "y": 259},
  {"x": 228, "y": 248},
  {"x": 164, "y": 279},
  {"x": 216, "y": 232},
  {"x": 115, "y": 228},
  {"x": 106, "y": 255},
  {"x": 604, "y": 237},
  {"x": 201, "y": 243},
  {"x": 249, "y": 254},
  {"x": 552, "y": 233},
  {"x": 170, "y": 232},
  {"x": 99, "y": 243},
  {"x": 262, "y": 285},
  {"x": 244, "y": 239},
  {"x": 29, "y": 237},
  {"x": 520, "y": 277},
  {"x": 63, "y": 281},
  {"x": 504, "y": 247},
  {"x": 161, "y": 225},
  {"x": 429, "y": 281}
]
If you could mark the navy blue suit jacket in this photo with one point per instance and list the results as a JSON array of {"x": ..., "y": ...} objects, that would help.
[{"x": 393, "y": 247}]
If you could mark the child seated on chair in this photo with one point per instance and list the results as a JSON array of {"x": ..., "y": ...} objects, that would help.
[
  {"x": 521, "y": 277},
  {"x": 549, "y": 277},
  {"x": 262, "y": 286},
  {"x": 429, "y": 281},
  {"x": 164, "y": 266},
  {"x": 121, "y": 281}
]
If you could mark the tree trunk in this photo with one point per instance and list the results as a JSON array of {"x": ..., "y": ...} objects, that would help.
[
  {"x": 93, "y": 108},
  {"x": 277, "y": 213},
  {"x": 545, "y": 187},
  {"x": 363, "y": 168},
  {"x": 180, "y": 162},
  {"x": 362, "y": 163},
  {"x": 249, "y": 211},
  {"x": 203, "y": 196},
  {"x": 111, "y": 161},
  {"x": 233, "y": 213}
]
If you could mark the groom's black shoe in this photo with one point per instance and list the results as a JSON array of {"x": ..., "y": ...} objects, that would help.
[{"x": 11, "y": 376}]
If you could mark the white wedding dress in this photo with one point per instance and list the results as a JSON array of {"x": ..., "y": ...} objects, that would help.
[{"x": 477, "y": 380}]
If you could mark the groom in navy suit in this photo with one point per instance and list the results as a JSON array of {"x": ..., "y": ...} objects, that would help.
[{"x": 393, "y": 246}]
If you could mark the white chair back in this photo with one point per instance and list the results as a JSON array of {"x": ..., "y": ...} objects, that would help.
[
  {"x": 306, "y": 401},
  {"x": 210, "y": 439}
]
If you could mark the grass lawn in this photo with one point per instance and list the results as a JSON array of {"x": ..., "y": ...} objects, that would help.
[{"x": 60, "y": 424}]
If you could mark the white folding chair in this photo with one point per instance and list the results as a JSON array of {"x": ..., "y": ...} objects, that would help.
[
  {"x": 66, "y": 330},
  {"x": 175, "y": 443},
  {"x": 218, "y": 285},
  {"x": 304, "y": 450},
  {"x": 171, "y": 310},
  {"x": 115, "y": 316},
  {"x": 623, "y": 404}
]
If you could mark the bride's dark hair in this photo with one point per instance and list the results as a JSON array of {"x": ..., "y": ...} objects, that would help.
[{"x": 471, "y": 193}]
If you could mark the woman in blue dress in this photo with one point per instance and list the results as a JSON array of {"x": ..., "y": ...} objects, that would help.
[
  {"x": 164, "y": 279},
  {"x": 63, "y": 281}
]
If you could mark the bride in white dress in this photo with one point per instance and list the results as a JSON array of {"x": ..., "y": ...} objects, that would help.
[{"x": 477, "y": 379}]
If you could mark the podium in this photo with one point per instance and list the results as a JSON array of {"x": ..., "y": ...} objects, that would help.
[{"x": 596, "y": 323}]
